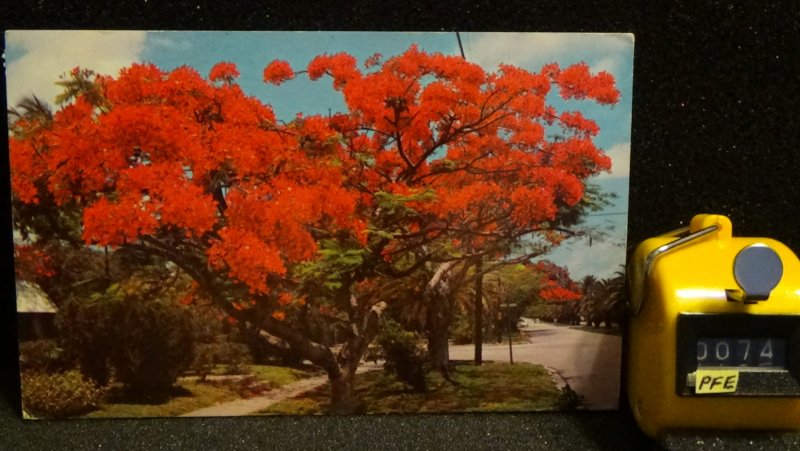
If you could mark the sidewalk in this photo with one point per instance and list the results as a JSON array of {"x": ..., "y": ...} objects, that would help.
[
  {"x": 250, "y": 406},
  {"x": 241, "y": 407}
]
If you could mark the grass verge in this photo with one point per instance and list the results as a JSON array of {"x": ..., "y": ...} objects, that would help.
[
  {"x": 191, "y": 394},
  {"x": 492, "y": 387}
]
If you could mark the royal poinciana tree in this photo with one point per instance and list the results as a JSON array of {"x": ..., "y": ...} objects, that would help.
[{"x": 435, "y": 164}]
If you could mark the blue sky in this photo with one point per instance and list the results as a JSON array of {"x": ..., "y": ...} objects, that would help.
[{"x": 34, "y": 59}]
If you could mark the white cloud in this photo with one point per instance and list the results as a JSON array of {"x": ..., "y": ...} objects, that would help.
[
  {"x": 532, "y": 50},
  {"x": 47, "y": 54},
  {"x": 608, "y": 64},
  {"x": 620, "y": 160},
  {"x": 170, "y": 44}
]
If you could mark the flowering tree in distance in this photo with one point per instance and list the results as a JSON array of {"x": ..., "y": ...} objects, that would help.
[{"x": 436, "y": 163}]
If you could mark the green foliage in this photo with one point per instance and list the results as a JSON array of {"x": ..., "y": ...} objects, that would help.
[
  {"x": 217, "y": 344},
  {"x": 569, "y": 312},
  {"x": 513, "y": 284},
  {"x": 205, "y": 359},
  {"x": 544, "y": 311},
  {"x": 336, "y": 262},
  {"x": 87, "y": 330},
  {"x": 133, "y": 328},
  {"x": 42, "y": 356},
  {"x": 594, "y": 199},
  {"x": 235, "y": 357},
  {"x": 604, "y": 300},
  {"x": 396, "y": 205},
  {"x": 404, "y": 355},
  {"x": 153, "y": 345},
  {"x": 59, "y": 395},
  {"x": 570, "y": 399},
  {"x": 81, "y": 82},
  {"x": 517, "y": 284},
  {"x": 31, "y": 110},
  {"x": 73, "y": 271},
  {"x": 48, "y": 224},
  {"x": 462, "y": 331}
]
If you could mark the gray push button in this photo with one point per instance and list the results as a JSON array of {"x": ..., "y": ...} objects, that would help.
[{"x": 757, "y": 269}]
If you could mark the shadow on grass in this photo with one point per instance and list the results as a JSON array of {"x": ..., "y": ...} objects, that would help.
[{"x": 119, "y": 395}]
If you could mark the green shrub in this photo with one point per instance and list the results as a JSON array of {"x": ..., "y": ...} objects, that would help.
[
  {"x": 86, "y": 329},
  {"x": 570, "y": 399},
  {"x": 462, "y": 331},
  {"x": 205, "y": 358},
  {"x": 43, "y": 356},
  {"x": 59, "y": 395},
  {"x": 544, "y": 311},
  {"x": 235, "y": 357},
  {"x": 405, "y": 356},
  {"x": 152, "y": 345},
  {"x": 144, "y": 338}
]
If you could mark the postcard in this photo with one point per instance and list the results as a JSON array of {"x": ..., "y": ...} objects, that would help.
[{"x": 282, "y": 223}]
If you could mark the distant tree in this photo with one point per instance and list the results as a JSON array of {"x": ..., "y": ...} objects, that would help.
[
  {"x": 592, "y": 291},
  {"x": 604, "y": 300},
  {"x": 614, "y": 293},
  {"x": 559, "y": 288}
]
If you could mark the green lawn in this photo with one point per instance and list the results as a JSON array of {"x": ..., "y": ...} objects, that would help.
[
  {"x": 192, "y": 395},
  {"x": 281, "y": 375},
  {"x": 492, "y": 387}
]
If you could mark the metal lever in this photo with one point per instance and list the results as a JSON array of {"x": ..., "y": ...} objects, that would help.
[{"x": 648, "y": 263}]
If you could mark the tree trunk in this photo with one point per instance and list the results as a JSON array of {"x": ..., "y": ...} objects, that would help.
[
  {"x": 436, "y": 296},
  {"x": 479, "y": 313},
  {"x": 438, "y": 346},
  {"x": 366, "y": 320},
  {"x": 343, "y": 399}
]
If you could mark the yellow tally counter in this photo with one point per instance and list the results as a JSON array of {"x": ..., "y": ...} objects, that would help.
[{"x": 714, "y": 337}]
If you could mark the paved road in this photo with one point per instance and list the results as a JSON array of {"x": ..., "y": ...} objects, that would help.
[{"x": 589, "y": 362}]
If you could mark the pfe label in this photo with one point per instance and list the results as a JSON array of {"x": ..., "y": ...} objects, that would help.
[{"x": 716, "y": 381}]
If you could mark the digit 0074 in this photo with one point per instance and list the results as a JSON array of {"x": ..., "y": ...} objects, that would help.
[{"x": 738, "y": 352}]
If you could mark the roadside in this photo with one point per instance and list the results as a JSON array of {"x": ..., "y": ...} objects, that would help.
[{"x": 589, "y": 362}]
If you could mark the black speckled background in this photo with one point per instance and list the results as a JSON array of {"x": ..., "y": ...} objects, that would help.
[{"x": 716, "y": 128}]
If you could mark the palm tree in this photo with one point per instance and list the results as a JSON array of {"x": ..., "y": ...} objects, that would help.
[
  {"x": 613, "y": 304},
  {"x": 32, "y": 110},
  {"x": 603, "y": 300}
]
